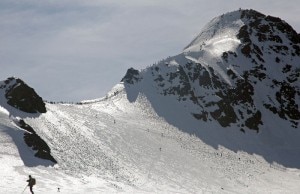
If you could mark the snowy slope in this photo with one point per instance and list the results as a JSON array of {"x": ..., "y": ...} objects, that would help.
[
  {"x": 220, "y": 117},
  {"x": 114, "y": 146}
]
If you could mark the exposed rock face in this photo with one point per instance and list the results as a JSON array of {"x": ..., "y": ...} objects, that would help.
[
  {"x": 131, "y": 76},
  {"x": 280, "y": 39},
  {"x": 34, "y": 141},
  {"x": 22, "y": 97},
  {"x": 235, "y": 89},
  {"x": 14, "y": 92}
]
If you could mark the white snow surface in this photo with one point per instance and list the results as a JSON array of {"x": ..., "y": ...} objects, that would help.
[
  {"x": 114, "y": 146},
  {"x": 217, "y": 37}
]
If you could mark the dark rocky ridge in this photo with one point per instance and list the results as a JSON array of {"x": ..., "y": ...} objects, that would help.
[
  {"x": 22, "y": 97},
  {"x": 131, "y": 76},
  {"x": 33, "y": 140}
]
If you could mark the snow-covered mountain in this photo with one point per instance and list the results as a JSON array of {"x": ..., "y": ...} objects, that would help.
[
  {"x": 241, "y": 64},
  {"x": 220, "y": 117},
  {"x": 241, "y": 72}
]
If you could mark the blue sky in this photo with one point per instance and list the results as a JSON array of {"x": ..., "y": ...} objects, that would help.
[{"x": 71, "y": 50}]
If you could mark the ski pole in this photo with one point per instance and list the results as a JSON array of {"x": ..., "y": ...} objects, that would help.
[{"x": 25, "y": 188}]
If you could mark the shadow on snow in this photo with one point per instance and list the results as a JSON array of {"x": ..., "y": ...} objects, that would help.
[
  {"x": 26, "y": 153},
  {"x": 274, "y": 149}
]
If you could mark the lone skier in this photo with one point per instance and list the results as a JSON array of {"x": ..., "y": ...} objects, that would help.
[{"x": 31, "y": 182}]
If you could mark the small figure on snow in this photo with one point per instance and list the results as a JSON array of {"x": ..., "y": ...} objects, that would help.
[
  {"x": 58, "y": 189},
  {"x": 31, "y": 182}
]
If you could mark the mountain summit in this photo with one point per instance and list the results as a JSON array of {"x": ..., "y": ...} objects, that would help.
[{"x": 242, "y": 68}]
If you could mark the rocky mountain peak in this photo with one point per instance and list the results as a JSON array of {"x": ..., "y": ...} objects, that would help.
[
  {"x": 19, "y": 95},
  {"x": 242, "y": 66}
]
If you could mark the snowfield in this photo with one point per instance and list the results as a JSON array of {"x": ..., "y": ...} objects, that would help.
[{"x": 113, "y": 146}]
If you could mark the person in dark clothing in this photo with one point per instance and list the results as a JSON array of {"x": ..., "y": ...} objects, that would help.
[{"x": 31, "y": 182}]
